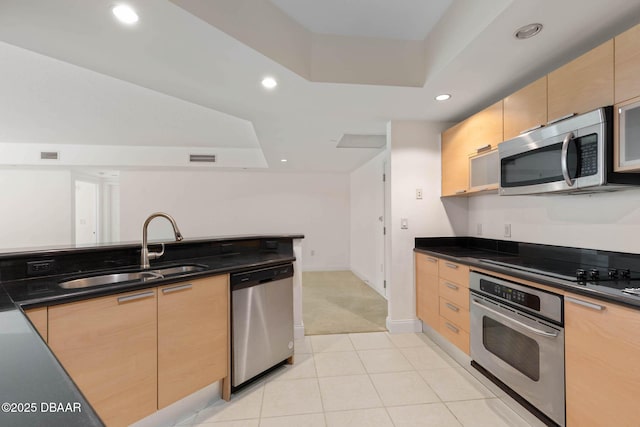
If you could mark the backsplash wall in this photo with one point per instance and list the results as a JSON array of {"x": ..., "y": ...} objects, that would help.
[{"x": 608, "y": 221}]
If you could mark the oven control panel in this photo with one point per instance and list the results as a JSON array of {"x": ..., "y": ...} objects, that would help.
[{"x": 512, "y": 295}]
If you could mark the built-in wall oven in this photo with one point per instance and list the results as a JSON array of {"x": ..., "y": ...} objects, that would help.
[{"x": 517, "y": 336}]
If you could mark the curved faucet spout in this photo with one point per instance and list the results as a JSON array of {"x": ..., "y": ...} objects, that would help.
[{"x": 145, "y": 255}]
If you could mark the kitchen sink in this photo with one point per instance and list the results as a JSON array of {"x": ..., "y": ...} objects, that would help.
[
  {"x": 136, "y": 276},
  {"x": 109, "y": 279},
  {"x": 180, "y": 269}
]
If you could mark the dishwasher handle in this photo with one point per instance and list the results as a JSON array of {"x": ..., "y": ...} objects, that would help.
[{"x": 257, "y": 277}]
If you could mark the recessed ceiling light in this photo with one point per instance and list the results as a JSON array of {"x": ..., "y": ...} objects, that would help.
[
  {"x": 283, "y": 160},
  {"x": 527, "y": 31},
  {"x": 125, "y": 14},
  {"x": 443, "y": 97},
  {"x": 269, "y": 82}
]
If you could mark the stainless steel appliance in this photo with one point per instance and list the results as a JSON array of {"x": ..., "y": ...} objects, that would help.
[
  {"x": 574, "y": 154},
  {"x": 261, "y": 321},
  {"x": 517, "y": 335}
]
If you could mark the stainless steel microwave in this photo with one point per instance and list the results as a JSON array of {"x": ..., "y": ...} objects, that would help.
[{"x": 572, "y": 155}]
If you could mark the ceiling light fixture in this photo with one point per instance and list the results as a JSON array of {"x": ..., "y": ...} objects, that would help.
[
  {"x": 527, "y": 31},
  {"x": 283, "y": 160},
  {"x": 269, "y": 82},
  {"x": 443, "y": 97},
  {"x": 125, "y": 14}
]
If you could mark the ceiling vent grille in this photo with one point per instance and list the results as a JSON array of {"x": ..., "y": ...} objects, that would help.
[
  {"x": 362, "y": 141},
  {"x": 48, "y": 155},
  {"x": 202, "y": 158}
]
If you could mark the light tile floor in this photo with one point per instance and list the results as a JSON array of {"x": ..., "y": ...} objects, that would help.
[{"x": 365, "y": 379}]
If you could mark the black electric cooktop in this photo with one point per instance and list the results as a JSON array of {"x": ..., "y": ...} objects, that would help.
[{"x": 610, "y": 279}]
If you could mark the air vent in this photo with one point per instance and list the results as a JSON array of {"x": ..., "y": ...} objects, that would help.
[
  {"x": 48, "y": 155},
  {"x": 202, "y": 158},
  {"x": 362, "y": 141}
]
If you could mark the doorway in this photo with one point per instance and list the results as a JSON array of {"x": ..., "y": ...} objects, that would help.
[{"x": 87, "y": 218}]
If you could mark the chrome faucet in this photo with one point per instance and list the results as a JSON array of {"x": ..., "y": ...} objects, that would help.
[{"x": 145, "y": 255}]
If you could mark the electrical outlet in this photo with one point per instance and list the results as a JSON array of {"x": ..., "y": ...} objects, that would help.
[
  {"x": 419, "y": 193},
  {"x": 479, "y": 229},
  {"x": 507, "y": 230}
]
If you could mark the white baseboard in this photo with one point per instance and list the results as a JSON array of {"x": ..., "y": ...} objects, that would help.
[
  {"x": 298, "y": 332},
  {"x": 183, "y": 408},
  {"x": 403, "y": 326}
]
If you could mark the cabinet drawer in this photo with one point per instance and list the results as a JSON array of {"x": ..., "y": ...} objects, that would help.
[
  {"x": 454, "y": 272},
  {"x": 454, "y": 313},
  {"x": 457, "y": 294},
  {"x": 429, "y": 264},
  {"x": 454, "y": 334}
]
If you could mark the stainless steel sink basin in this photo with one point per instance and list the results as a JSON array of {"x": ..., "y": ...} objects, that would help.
[
  {"x": 181, "y": 269},
  {"x": 136, "y": 276},
  {"x": 109, "y": 279}
]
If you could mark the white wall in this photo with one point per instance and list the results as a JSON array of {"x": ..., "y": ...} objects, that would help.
[
  {"x": 36, "y": 208},
  {"x": 367, "y": 205},
  {"x": 227, "y": 203},
  {"x": 415, "y": 163},
  {"x": 609, "y": 221}
]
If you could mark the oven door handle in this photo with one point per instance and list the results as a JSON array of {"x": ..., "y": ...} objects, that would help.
[
  {"x": 564, "y": 161},
  {"x": 517, "y": 322}
]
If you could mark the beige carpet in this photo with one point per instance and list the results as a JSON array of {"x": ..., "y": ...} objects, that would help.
[{"x": 336, "y": 302}]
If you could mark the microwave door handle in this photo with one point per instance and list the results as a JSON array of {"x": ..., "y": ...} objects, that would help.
[
  {"x": 524, "y": 325},
  {"x": 563, "y": 160}
]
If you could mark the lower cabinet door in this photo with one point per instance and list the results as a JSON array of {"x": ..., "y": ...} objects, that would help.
[
  {"x": 108, "y": 346},
  {"x": 193, "y": 340},
  {"x": 602, "y": 350}
]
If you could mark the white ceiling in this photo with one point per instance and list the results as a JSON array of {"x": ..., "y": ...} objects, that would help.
[
  {"x": 397, "y": 19},
  {"x": 175, "y": 79}
]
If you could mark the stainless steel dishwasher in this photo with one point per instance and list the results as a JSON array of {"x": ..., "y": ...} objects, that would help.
[{"x": 261, "y": 321}]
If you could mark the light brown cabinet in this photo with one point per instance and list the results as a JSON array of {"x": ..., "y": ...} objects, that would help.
[
  {"x": 602, "y": 347},
  {"x": 427, "y": 289},
  {"x": 442, "y": 298},
  {"x": 627, "y": 65},
  {"x": 38, "y": 317},
  {"x": 192, "y": 336},
  {"x": 582, "y": 85},
  {"x": 454, "y": 303},
  {"x": 109, "y": 347},
  {"x": 525, "y": 109},
  {"x": 479, "y": 132}
]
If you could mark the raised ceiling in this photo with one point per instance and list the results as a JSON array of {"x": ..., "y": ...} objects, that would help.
[
  {"x": 396, "y": 20},
  {"x": 178, "y": 79}
]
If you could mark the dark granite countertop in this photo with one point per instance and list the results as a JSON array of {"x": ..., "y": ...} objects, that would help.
[
  {"x": 30, "y": 371},
  {"x": 32, "y": 376},
  {"x": 475, "y": 252},
  {"x": 36, "y": 292}
]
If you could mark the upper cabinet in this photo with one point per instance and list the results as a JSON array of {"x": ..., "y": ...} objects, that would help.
[
  {"x": 583, "y": 84},
  {"x": 526, "y": 109},
  {"x": 478, "y": 133},
  {"x": 627, "y": 65}
]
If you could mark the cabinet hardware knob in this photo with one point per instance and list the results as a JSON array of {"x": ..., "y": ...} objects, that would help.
[
  {"x": 135, "y": 297},
  {"x": 585, "y": 303},
  {"x": 452, "y": 307},
  {"x": 177, "y": 288},
  {"x": 451, "y": 286},
  {"x": 450, "y": 326}
]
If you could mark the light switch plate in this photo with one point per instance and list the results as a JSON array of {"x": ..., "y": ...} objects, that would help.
[
  {"x": 404, "y": 223},
  {"x": 507, "y": 230}
]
